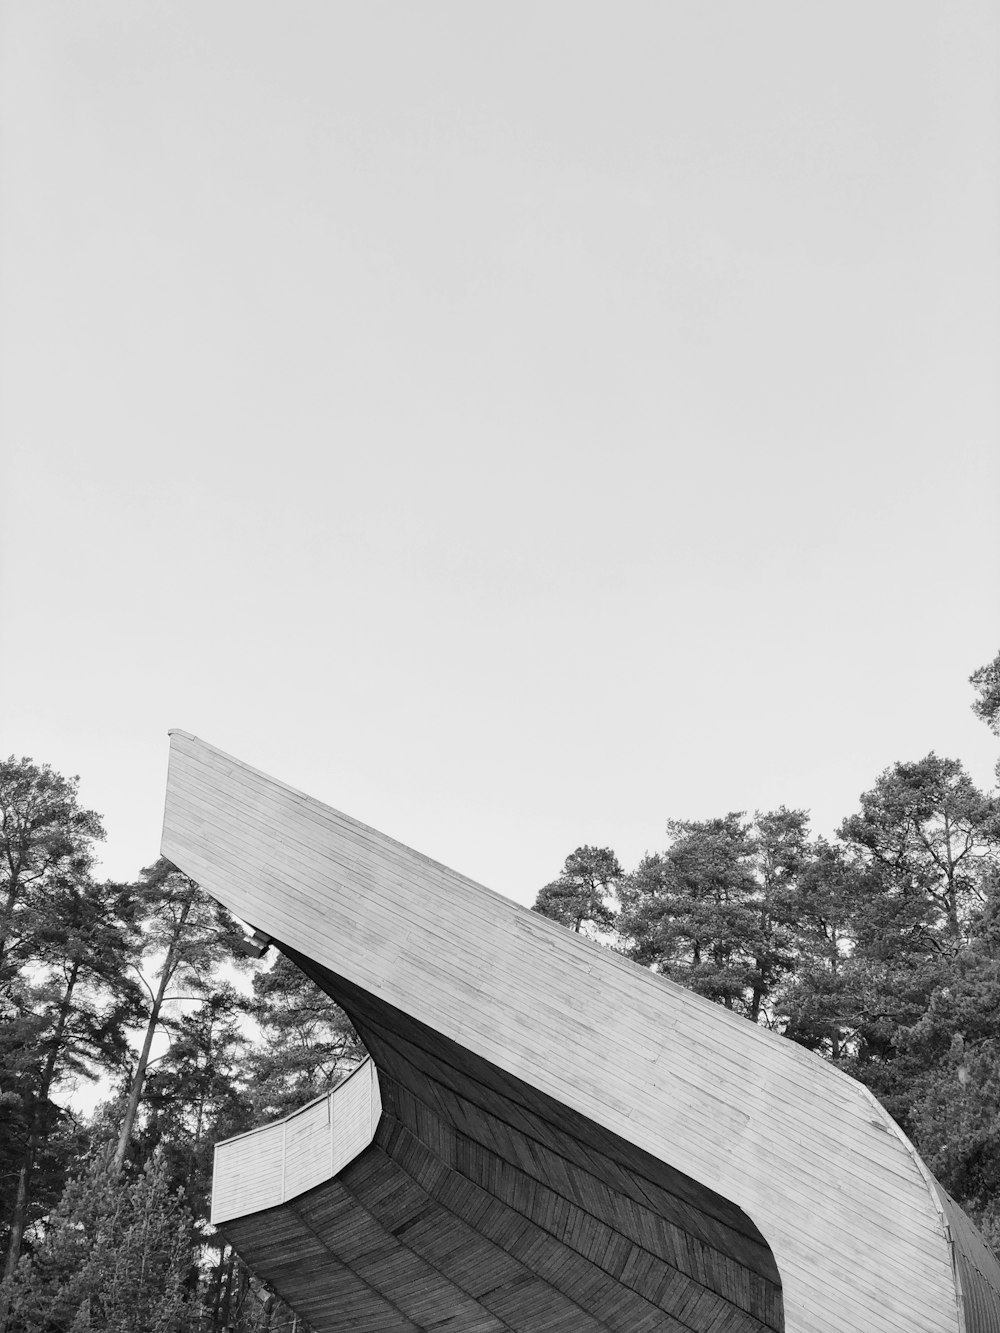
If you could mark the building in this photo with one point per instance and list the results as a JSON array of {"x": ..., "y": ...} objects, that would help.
[{"x": 546, "y": 1138}]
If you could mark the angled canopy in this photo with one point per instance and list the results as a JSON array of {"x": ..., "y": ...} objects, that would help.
[{"x": 548, "y": 1138}]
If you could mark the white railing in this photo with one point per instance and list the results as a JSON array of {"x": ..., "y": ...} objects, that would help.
[{"x": 269, "y": 1165}]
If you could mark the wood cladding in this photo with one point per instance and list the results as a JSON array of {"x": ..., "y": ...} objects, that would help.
[
  {"x": 509, "y": 1235},
  {"x": 646, "y": 1226},
  {"x": 270, "y": 1165},
  {"x": 553, "y": 1105}
]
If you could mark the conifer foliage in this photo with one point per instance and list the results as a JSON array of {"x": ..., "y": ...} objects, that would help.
[
  {"x": 582, "y": 897},
  {"x": 104, "y": 1223},
  {"x": 114, "y": 1257}
]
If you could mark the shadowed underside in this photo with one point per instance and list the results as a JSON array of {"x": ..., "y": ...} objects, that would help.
[
  {"x": 562, "y": 1141},
  {"x": 480, "y": 1204}
]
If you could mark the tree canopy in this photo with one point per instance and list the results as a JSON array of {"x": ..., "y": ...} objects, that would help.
[{"x": 104, "y": 1224}]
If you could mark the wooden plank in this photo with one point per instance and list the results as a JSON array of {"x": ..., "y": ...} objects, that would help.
[
  {"x": 587, "y": 1215},
  {"x": 567, "y": 1233}
]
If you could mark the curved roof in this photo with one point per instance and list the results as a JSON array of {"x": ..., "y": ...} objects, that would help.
[
  {"x": 485, "y": 1019},
  {"x": 431, "y": 1206}
]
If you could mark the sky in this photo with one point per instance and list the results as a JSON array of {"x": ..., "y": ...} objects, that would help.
[{"x": 516, "y": 425}]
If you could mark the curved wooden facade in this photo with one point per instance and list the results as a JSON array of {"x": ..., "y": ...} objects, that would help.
[{"x": 550, "y": 1138}]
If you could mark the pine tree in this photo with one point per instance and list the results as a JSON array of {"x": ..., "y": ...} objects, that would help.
[
  {"x": 820, "y": 1004},
  {"x": 307, "y": 1044},
  {"x": 197, "y": 1093},
  {"x": 931, "y": 834},
  {"x": 44, "y": 835},
  {"x": 68, "y": 1010},
  {"x": 192, "y": 935},
  {"x": 714, "y": 911},
  {"x": 116, "y": 1258},
  {"x": 581, "y": 898}
]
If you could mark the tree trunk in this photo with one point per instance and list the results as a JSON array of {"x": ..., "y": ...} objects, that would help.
[
  {"x": 217, "y": 1300},
  {"x": 139, "y": 1078},
  {"x": 242, "y": 1292},
  {"x": 20, "y": 1215},
  {"x": 16, "y": 1235},
  {"x": 7, "y": 916},
  {"x": 227, "y": 1300}
]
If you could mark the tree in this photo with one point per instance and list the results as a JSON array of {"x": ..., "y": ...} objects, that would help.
[
  {"x": 955, "y": 1129},
  {"x": 951, "y": 1055},
  {"x": 46, "y": 842},
  {"x": 307, "y": 1041},
  {"x": 932, "y": 835},
  {"x": 116, "y": 1257},
  {"x": 193, "y": 934},
  {"x": 67, "y": 1016},
  {"x": 820, "y": 1002},
  {"x": 924, "y": 850},
  {"x": 685, "y": 912},
  {"x": 64, "y": 1144},
  {"x": 237, "y": 1302},
  {"x": 581, "y": 897},
  {"x": 779, "y": 854},
  {"x": 986, "y": 680},
  {"x": 44, "y": 835},
  {"x": 713, "y": 912},
  {"x": 197, "y": 1094}
]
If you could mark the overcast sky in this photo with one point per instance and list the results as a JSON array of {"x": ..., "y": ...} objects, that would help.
[{"x": 516, "y": 424}]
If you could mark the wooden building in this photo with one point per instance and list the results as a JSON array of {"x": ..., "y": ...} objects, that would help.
[{"x": 547, "y": 1138}]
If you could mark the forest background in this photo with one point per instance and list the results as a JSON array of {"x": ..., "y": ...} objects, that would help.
[{"x": 879, "y": 951}]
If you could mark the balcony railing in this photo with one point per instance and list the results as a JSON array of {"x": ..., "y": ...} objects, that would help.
[{"x": 270, "y": 1165}]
